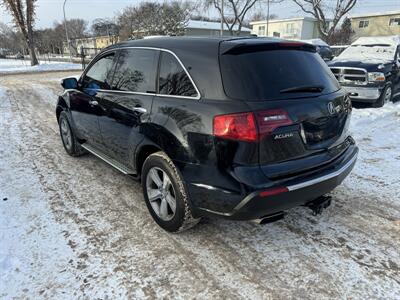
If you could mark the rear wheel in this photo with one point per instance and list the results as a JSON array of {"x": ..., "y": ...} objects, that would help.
[
  {"x": 165, "y": 194},
  {"x": 70, "y": 143},
  {"x": 385, "y": 97}
]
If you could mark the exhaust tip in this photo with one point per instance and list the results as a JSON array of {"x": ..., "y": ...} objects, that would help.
[{"x": 270, "y": 218}]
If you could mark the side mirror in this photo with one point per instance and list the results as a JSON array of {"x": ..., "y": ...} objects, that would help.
[{"x": 69, "y": 83}]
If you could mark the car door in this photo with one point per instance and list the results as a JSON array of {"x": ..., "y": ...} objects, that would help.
[
  {"x": 128, "y": 105},
  {"x": 84, "y": 102}
]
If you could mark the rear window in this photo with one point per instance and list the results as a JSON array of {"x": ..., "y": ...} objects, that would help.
[{"x": 263, "y": 75}]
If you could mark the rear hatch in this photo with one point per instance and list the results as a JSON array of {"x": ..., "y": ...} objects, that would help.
[{"x": 301, "y": 113}]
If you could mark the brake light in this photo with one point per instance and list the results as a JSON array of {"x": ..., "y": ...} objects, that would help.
[
  {"x": 269, "y": 120},
  {"x": 236, "y": 126},
  {"x": 274, "y": 191},
  {"x": 243, "y": 126}
]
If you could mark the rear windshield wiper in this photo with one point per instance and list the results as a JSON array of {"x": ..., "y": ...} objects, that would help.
[{"x": 303, "y": 89}]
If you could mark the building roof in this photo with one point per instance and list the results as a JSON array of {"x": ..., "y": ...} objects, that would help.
[
  {"x": 194, "y": 24},
  {"x": 284, "y": 20},
  {"x": 376, "y": 14}
]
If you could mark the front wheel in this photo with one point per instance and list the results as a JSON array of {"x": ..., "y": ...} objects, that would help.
[
  {"x": 165, "y": 194},
  {"x": 70, "y": 143},
  {"x": 385, "y": 97}
]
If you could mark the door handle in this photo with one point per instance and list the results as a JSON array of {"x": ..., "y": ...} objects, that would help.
[
  {"x": 94, "y": 102},
  {"x": 140, "y": 110}
]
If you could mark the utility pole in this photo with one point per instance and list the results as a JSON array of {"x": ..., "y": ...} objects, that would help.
[
  {"x": 66, "y": 32},
  {"x": 222, "y": 17},
  {"x": 267, "y": 17}
]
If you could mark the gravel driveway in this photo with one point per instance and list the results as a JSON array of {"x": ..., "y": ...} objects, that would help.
[{"x": 75, "y": 227}]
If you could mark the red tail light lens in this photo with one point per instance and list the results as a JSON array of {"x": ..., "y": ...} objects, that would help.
[
  {"x": 236, "y": 126},
  {"x": 269, "y": 120},
  {"x": 243, "y": 126},
  {"x": 274, "y": 191}
]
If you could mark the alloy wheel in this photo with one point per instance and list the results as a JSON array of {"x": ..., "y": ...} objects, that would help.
[
  {"x": 66, "y": 133},
  {"x": 388, "y": 94},
  {"x": 161, "y": 193}
]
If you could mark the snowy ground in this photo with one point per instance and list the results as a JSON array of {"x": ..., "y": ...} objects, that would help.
[
  {"x": 8, "y": 66},
  {"x": 76, "y": 228}
]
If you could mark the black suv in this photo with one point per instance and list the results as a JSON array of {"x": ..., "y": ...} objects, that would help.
[
  {"x": 242, "y": 128},
  {"x": 369, "y": 70}
]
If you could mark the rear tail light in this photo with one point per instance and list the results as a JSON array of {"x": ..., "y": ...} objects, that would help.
[
  {"x": 274, "y": 191},
  {"x": 243, "y": 126},
  {"x": 236, "y": 126}
]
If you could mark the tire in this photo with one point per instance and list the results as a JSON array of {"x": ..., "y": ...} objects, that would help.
[
  {"x": 385, "y": 97},
  {"x": 68, "y": 138},
  {"x": 162, "y": 187}
]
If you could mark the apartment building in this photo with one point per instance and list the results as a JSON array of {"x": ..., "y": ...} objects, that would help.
[
  {"x": 376, "y": 24},
  {"x": 302, "y": 28}
]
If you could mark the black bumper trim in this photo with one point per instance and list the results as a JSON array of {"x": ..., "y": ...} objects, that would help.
[{"x": 306, "y": 185}]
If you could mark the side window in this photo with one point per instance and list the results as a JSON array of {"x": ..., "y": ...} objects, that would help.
[
  {"x": 136, "y": 71},
  {"x": 98, "y": 76},
  {"x": 173, "y": 79}
]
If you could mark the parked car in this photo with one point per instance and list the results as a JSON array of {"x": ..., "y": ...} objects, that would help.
[
  {"x": 370, "y": 69},
  {"x": 240, "y": 128},
  {"x": 323, "y": 49},
  {"x": 19, "y": 56}
]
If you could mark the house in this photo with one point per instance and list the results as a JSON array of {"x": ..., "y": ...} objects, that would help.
[
  {"x": 92, "y": 45},
  {"x": 303, "y": 28},
  {"x": 206, "y": 28},
  {"x": 376, "y": 24}
]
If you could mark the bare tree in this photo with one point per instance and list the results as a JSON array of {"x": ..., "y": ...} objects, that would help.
[
  {"x": 104, "y": 27},
  {"x": 23, "y": 13},
  {"x": 260, "y": 16},
  {"x": 152, "y": 18},
  {"x": 235, "y": 9},
  {"x": 343, "y": 35},
  {"x": 320, "y": 9},
  {"x": 10, "y": 39}
]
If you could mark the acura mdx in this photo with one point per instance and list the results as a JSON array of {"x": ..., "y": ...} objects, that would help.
[{"x": 241, "y": 128}]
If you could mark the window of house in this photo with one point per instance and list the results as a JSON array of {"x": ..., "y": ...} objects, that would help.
[
  {"x": 290, "y": 28},
  {"x": 136, "y": 71},
  {"x": 394, "y": 22},
  {"x": 173, "y": 79},
  {"x": 363, "y": 24},
  {"x": 261, "y": 30}
]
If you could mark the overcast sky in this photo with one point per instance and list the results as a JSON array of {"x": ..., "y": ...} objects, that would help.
[{"x": 49, "y": 11}]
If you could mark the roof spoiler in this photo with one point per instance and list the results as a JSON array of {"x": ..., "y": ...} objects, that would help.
[{"x": 256, "y": 47}]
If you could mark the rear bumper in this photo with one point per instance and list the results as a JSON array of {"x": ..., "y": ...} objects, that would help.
[
  {"x": 363, "y": 94},
  {"x": 300, "y": 190}
]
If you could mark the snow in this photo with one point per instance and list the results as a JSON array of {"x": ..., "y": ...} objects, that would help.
[
  {"x": 372, "y": 49},
  {"x": 23, "y": 66},
  {"x": 76, "y": 228},
  {"x": 378, "y": 40},
  {"x": 371, "y": 54}
]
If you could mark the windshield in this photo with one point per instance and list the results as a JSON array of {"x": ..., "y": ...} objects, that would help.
[
  {"x": 276, "y": 74},
  {"x": 370, "y": 52}
]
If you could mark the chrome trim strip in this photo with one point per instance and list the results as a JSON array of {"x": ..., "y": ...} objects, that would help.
[
  {"x": 216, "y": 212},
  {"x": 107, "y": 160},
  {"x": 323, "y": 178},
  {"x": 177, "y": 58}
]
